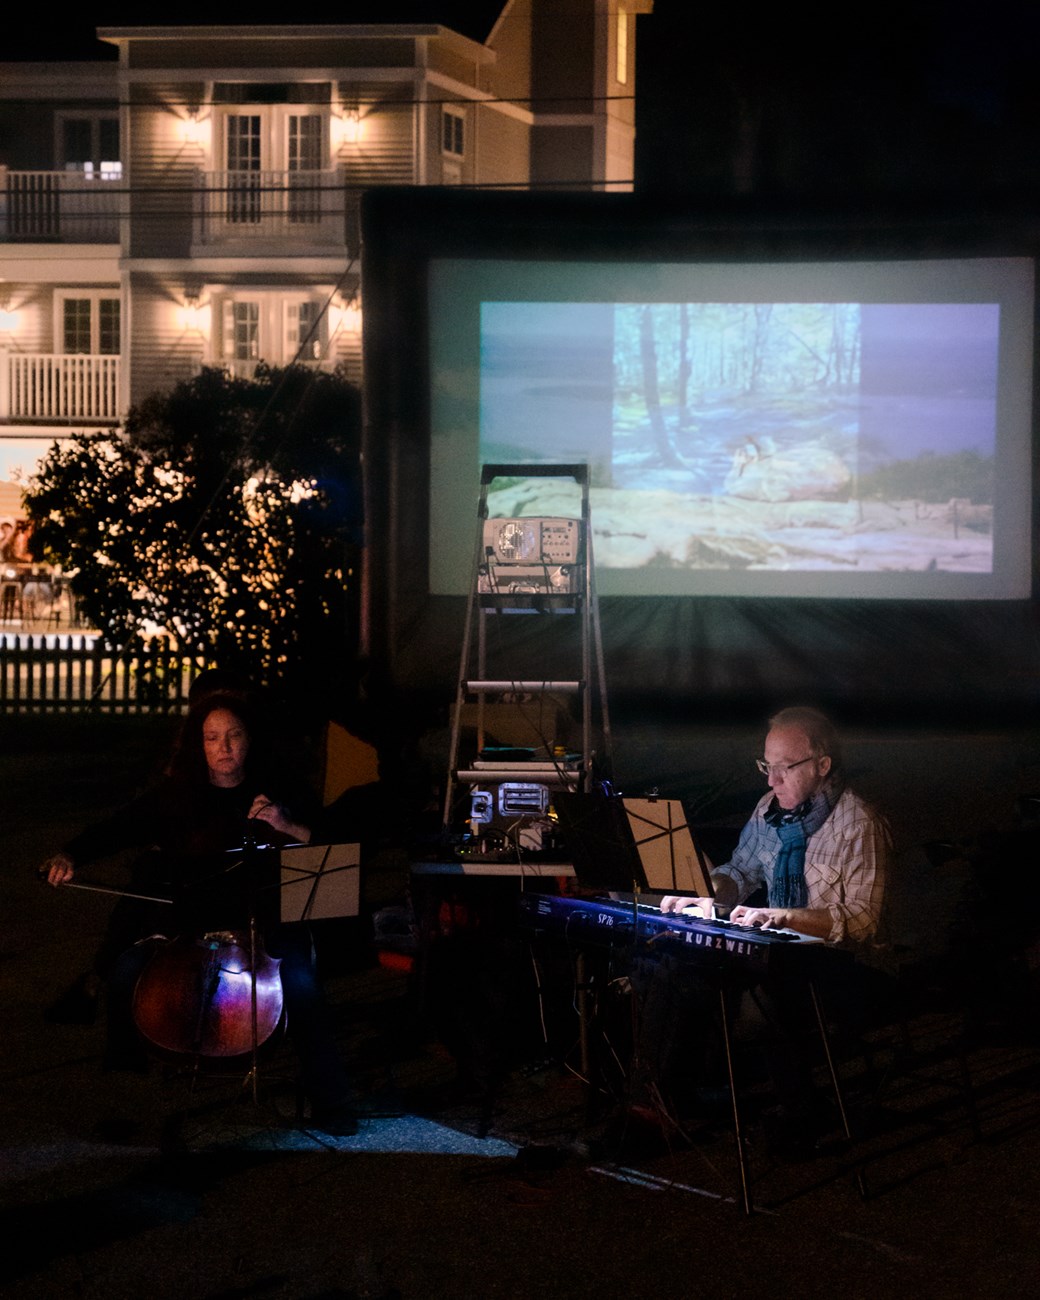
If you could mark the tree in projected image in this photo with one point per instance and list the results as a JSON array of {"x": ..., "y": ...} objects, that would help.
[{"x": 698, "y": 384}]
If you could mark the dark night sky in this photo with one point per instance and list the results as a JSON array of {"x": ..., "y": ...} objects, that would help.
[{"x": 883, "y": 97}]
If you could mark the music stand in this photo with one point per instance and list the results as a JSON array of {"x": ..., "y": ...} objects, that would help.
[
  {"x": 673, "y": 861},
  {"x": 320, "y": 881},
  {"x": 625, "y": 845},
  {"x": 316, "y": 882},
  {"x": 312, "y": 882}
]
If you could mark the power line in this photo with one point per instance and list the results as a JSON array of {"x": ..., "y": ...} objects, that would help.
[
  {"x": 353, "y": 101},
  {"x": 36, "y": 214}
]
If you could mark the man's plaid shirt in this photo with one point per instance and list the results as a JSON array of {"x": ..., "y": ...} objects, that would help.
[{"x": 845, "y": 863}]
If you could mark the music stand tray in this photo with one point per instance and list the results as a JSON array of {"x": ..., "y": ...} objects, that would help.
[
  {"x": 624, "y": 845},
  {"x": 673, "y": 861},
  {"x": 320, "y": 881}
]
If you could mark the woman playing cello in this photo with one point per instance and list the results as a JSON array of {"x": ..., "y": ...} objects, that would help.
[{"x": 221, "y": 794}]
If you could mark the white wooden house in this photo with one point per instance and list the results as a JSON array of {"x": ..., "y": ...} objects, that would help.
[{"x": 195, "y": 203}]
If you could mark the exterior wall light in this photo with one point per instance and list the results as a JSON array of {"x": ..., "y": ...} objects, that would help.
[
  {"x": 346, "y": 317},
  {"x": 193, "y": 314},
  {"x": 346, "y": 128},
  {"x": 191, "y": 128}
]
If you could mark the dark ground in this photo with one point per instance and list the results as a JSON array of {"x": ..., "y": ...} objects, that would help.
[{"x": 227, "y": 1203}]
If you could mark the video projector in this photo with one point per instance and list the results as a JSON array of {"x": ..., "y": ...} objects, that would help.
[{"x": 536, "y": 555}]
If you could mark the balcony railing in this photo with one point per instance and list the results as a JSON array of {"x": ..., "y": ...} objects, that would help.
[
  {"x": 242, "y": 368},
  {"x": 306, "y": 206},
  {"x": 59, "y": 207},
  {"x": 55, "y": 387}
]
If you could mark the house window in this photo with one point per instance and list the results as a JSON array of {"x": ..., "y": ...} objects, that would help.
[
  {"x": 242, "y": 136},
  {"x": 108, "y": 325},
  {"x": 89, "y": 143},
  {"x": 305, "y": 333},
  {"x": 272, "y": 156},
  {"x": 453, "y": 132},
  {"x": 88, "y": 323},
  {"x": 242, "y": 151},
  {"x": 241, "y": 330},
  {"x": 76, "y": 325},
  {"x": 278, "y": 328},
  {"x": 306, "y": 155},
  {"x": 305, "y": 142}
]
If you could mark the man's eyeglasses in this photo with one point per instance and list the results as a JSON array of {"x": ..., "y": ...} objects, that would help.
[{"x": 780, "y": 769}]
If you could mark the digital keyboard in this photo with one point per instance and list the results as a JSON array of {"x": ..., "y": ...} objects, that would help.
[{"x": 611, "y": 923}]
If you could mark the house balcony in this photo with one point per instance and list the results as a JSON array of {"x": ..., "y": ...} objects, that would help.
[
  {"x": 51, "y": 388},
  {"x": 261, "y": 207},
  {"x": 59, "y": 207}
]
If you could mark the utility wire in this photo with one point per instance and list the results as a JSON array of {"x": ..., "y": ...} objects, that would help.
[
  {"x": 31, "y": 211},
  {"x": 108, "y": 104}
]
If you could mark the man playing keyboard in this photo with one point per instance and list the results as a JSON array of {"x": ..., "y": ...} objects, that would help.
[{"x": 819, "y": 851}]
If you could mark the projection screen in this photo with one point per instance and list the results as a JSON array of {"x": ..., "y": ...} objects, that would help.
[{"x": 837, "y": 429}]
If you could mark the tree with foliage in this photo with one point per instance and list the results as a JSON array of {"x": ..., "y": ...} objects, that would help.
[{"x": 226, "y": 513}]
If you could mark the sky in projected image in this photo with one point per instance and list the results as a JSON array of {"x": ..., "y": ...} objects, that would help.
[{"x": 780, "y": 436}]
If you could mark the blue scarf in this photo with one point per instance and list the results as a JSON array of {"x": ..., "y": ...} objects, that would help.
[{"x": 794, "y": 829}]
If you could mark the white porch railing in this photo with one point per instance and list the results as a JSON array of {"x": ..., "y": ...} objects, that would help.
[
  {"x": 304, "y": 205},
  {"x": 239, "y": 368},
  {"x": 50, "y": 386},
  {"x": 67, "y": 207}
]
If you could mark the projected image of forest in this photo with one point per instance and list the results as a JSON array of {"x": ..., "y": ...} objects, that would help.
[{"x": 778, "y": 436}]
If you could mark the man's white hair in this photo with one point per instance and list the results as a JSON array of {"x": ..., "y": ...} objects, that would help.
[{"x": 821, "y": 733}]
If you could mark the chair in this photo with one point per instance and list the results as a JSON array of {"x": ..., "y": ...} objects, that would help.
[{"x": 11, "y": 602}]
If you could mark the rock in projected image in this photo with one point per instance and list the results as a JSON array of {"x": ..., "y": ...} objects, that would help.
[{"x": 805, "y": 472}]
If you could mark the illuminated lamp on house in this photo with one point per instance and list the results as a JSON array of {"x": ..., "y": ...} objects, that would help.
[
  {"x": 347, "y": 127},
  {"x": 345, "y": 317},
  {"x": 191, "y": 129},
  {"x": 193, "y": 315}
]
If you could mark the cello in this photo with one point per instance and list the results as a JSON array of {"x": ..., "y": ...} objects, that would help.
[
  {"x": 209, "y": 994},
  {"x": 217, "y": 994}
]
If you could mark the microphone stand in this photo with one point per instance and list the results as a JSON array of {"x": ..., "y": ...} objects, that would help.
[
  {"x": 254, "y": 1031},
  {"x": 250, "y": 858}
]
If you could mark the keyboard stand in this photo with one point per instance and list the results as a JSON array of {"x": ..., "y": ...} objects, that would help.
[
  {"x": 738, "y": 1136},
  {"x": 621, "y": 926}
]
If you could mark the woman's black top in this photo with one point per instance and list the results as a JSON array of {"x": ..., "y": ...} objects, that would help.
[{"x": 199, "y": 848}]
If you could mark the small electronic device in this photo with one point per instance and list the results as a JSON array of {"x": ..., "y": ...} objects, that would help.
[
  {"x": 536, "y": 541},
  {"x": 527, "y": 580},
  {"x": 522, "y": 799}
]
